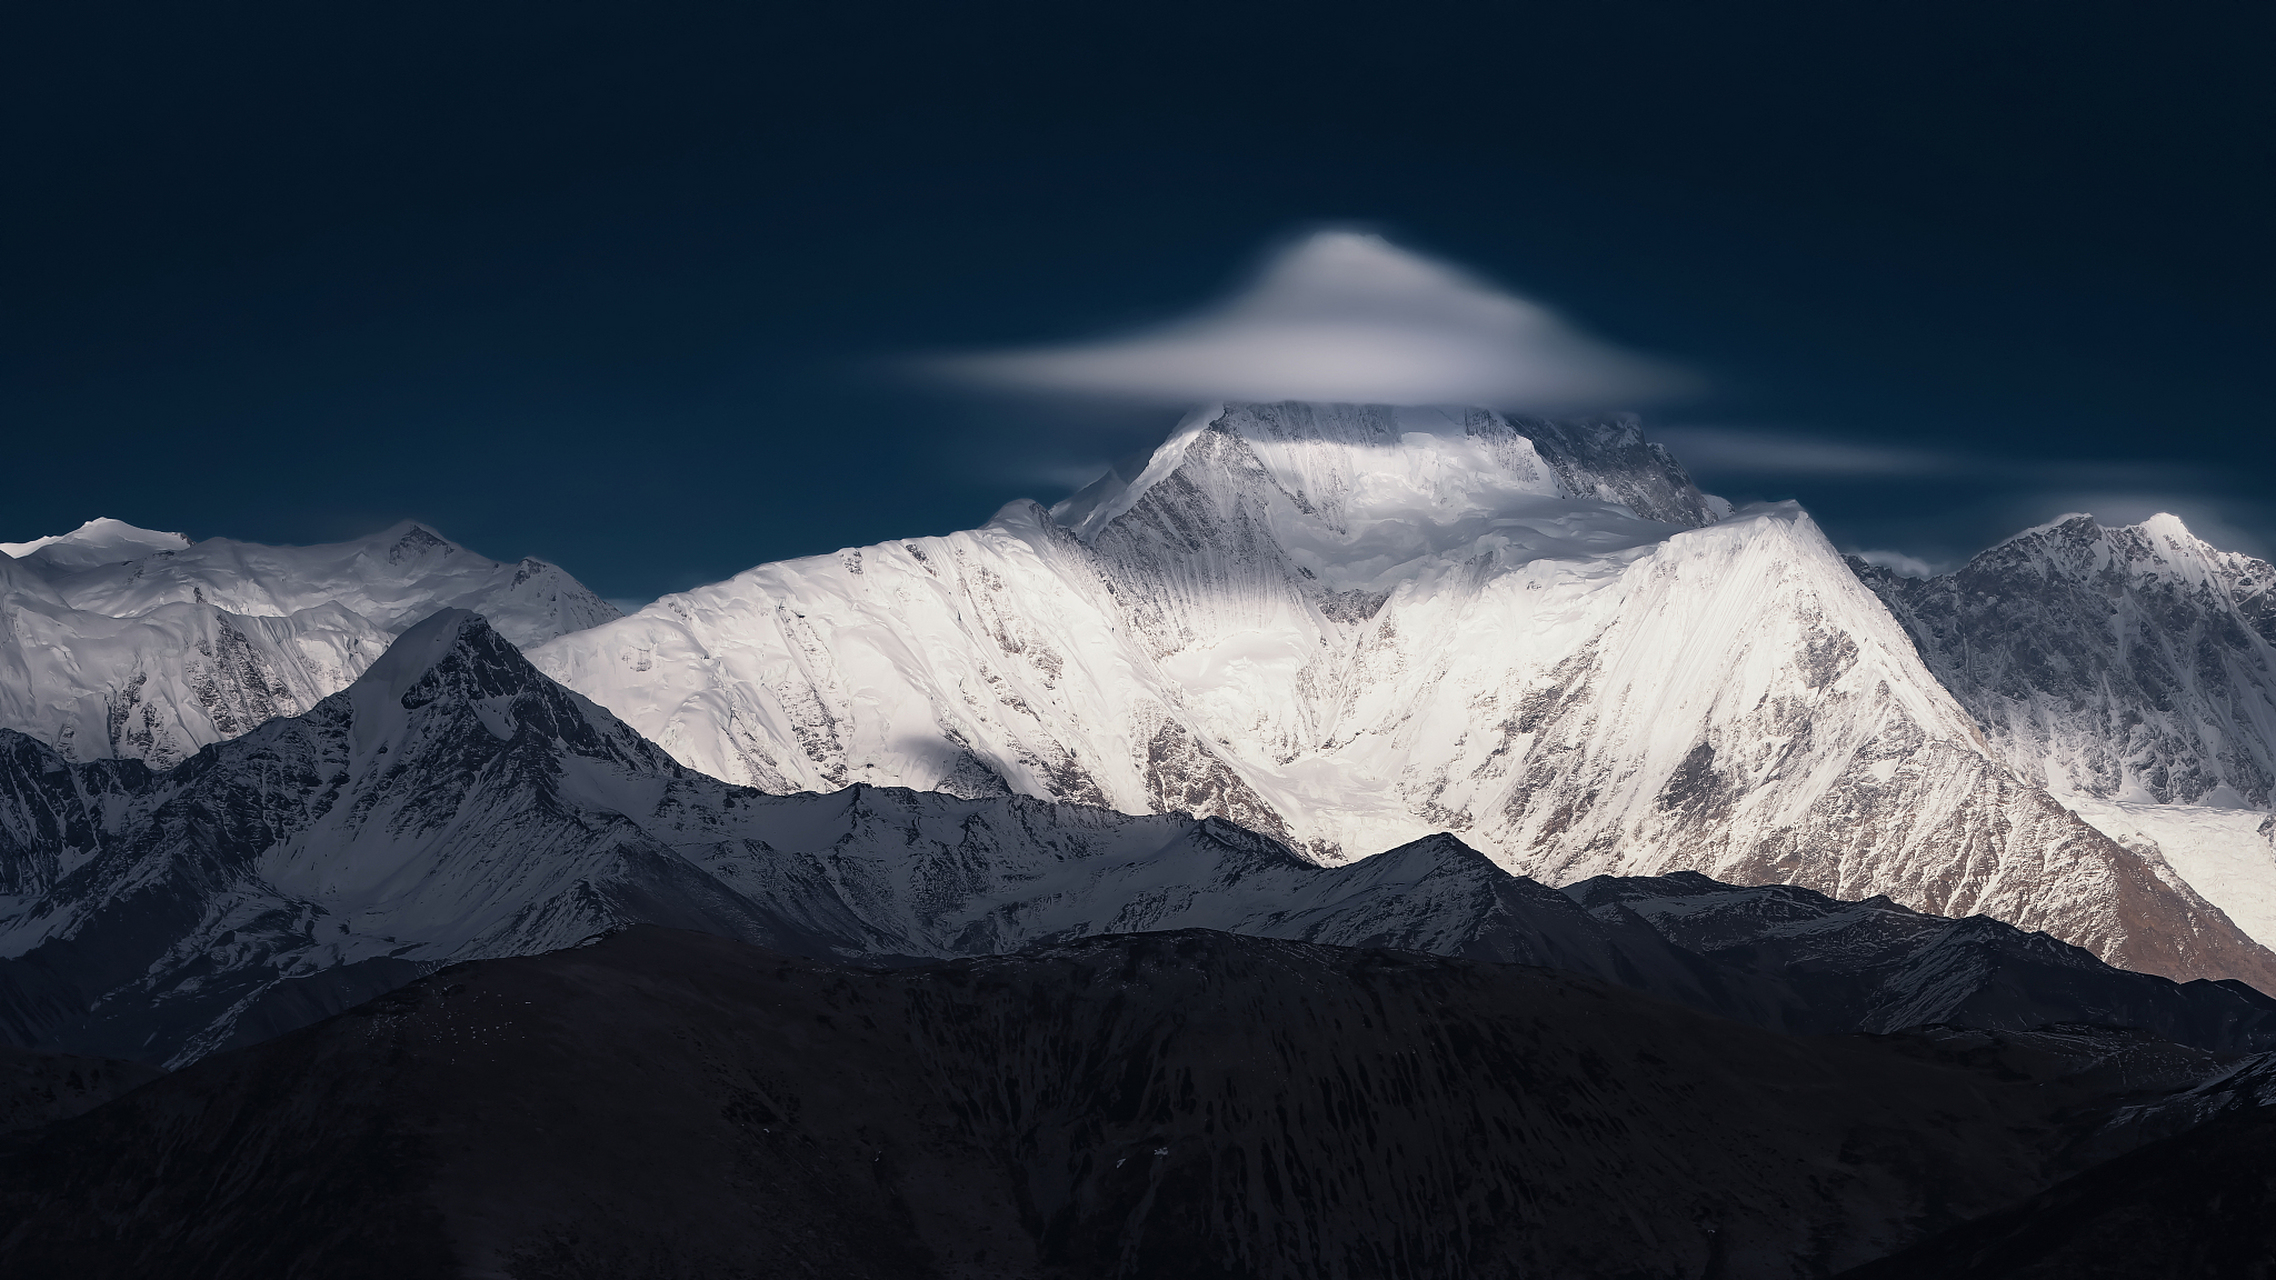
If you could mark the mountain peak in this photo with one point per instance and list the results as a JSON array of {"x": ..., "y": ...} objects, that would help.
[
  {"x": 2166, "y": 522},
  {"x": 2073, "y": 522},
  {"x": 414, "y": 654},
  {"x": 1408, "y": 465},
  {"x": 1097, "y": 504},
  {"x": 2120, "y": 663},
  {"x": 149, "y": 646},
  {"x": 409, "y": 540},
  {"x": 452, "y": 652},
  {"x": 2162, "y": 533}
]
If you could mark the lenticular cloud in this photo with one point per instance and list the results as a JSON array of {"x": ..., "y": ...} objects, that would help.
[{"x": 1346, "y": 316}]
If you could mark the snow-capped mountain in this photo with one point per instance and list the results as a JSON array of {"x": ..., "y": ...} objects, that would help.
[
  {"x": 118, "y": 641},
  {"x": 1350, "y": 627},
  {"x": 98, "y": 542},
  {"x": 2135, "y": 663},
  {"x": 2132, "y": 672}
]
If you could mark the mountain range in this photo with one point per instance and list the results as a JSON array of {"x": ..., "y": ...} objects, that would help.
[
  {"x": 898, "y": 891},
  {"x": 2132, "y": 673},
  {"x": 454, "y": 803},
  {"x": 1350, "y": 627},
  {"x": 118, "y": 642},
  {"x": 1342, "y": 628}
]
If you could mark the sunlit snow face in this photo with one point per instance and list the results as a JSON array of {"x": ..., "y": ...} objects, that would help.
[{"x": 1349, "y": 317}]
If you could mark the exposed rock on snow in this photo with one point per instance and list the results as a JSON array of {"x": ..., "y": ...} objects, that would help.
[
  {"x": 118, "y": 641},
  {"x": 1350, "y": 627},
  {"x": 2133, "y": 664}
]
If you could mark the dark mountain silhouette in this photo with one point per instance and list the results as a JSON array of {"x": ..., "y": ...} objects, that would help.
[
  {"x": 666, "y": 1103},
  {"x": 2199, "y": 1206}
]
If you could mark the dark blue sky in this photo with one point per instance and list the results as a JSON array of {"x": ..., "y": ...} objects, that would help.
[{"x": 623, "y": 286}]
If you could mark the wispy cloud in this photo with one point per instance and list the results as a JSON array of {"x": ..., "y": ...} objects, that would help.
[
  {"x": 1741, "y": 451},
  {"x": 1347, "y": 316},
  {"x": 1778, "y": 453},
  {"x": 1967, "y": 500}
]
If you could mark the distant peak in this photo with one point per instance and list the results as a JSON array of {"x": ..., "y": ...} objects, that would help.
[
  {"x": 1096, "y": 505},
  {"x": 411, "y": 539},
  {"x": 1426, "y": 463},
  {"x": 2083, "y": 526},
  {"x": 101, "y": 540}
]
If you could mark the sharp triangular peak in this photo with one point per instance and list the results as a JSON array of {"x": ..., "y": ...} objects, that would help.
[{"x": 383, "y": 695}]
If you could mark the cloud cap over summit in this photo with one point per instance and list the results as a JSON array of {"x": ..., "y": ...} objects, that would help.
[{"x": 1347, "y": 316}]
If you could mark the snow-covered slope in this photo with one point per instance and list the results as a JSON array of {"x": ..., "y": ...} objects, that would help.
[
  {"x": 98, "y": 542},
  {"x": 2226, "y": 854},
  {"x": 1352, "y": 626},
  {"x": 118, "y": 641},
  {"x": 2132, "y": 671},
  {"x": 453, "y": 804}
]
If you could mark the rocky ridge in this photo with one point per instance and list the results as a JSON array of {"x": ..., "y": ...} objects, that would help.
[
  {"x": 2134, "y": 663},
  {"x": 455, "y": 804}
]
